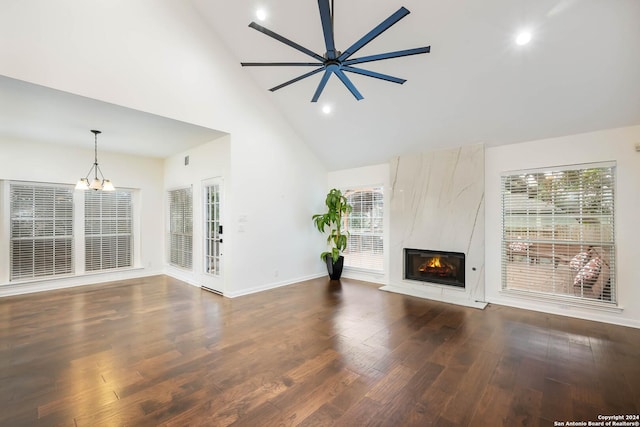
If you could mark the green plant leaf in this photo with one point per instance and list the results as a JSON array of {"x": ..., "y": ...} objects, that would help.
[{"x": 337, "y": 207}]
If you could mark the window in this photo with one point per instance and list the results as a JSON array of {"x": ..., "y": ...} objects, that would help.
[
  {"x": 558, "y": 232},
  {"x": 108, "y": 230},
  {"x": 181, "y": 228},
  {"x": 56, "y": 231},
  {"x": 41, "y": 230},
  {"x": 365, "y": 248}
]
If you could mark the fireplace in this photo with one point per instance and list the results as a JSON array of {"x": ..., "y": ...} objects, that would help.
[{"x": 446, "y": 268}]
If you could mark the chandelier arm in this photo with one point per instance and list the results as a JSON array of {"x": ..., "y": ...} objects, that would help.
[
  {"x": 89, "y": 172},
  {"x": 99, "y": 170}
]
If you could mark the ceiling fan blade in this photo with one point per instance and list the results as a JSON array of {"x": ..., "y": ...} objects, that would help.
[
  {"x": 286, "y": 41},
  {"x": 281, "y": 64},
  {"x": 374, "y": 74},
  {"x": 304, "y": 76},
  {"x": 327, "y": 28},
  {"x": 389, "y": 55},
  {"x": 383, "y": 26},
  {"x": 321, "y": 85},
  {"x": 348, "y": 84}
]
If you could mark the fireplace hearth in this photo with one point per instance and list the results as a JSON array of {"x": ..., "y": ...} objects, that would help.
[{"x": 445, "y": 268}]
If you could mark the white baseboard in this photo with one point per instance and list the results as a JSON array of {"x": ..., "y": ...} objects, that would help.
[
  {"x": 273, "y": 285},
  {"x": 28, "y": 287}
]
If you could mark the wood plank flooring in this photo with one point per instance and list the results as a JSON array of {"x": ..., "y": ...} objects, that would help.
[{"x": 156, "y": 351}]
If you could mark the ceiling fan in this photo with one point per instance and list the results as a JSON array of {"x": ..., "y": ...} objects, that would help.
[{"x": 334, "y": 61}]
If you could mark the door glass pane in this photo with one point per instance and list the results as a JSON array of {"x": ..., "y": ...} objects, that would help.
[{"x": 212, "y": 226}]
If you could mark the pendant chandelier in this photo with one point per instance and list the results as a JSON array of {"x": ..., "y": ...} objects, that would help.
[{"x": 96, "y": 183}]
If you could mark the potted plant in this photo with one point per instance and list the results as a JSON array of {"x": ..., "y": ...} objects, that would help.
[{"x": 337, "y": 207}]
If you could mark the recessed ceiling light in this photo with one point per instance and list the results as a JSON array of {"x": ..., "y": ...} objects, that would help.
[
  {"x": 261, "y": 14},
  {"x": 523, "y": 38},
  {"x": 326, "y": 109}
]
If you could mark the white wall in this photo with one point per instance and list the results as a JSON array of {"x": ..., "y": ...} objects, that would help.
[
  {"x": 361, "y": 177},
  {"x": 277, "y": 186},
  {"x": 158, "y": 56},
  {"x": 27, "y": 161},
  {"x": 608, "y": 145}
]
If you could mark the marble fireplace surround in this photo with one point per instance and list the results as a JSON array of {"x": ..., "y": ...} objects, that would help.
[{"x": 437, "y": 203}]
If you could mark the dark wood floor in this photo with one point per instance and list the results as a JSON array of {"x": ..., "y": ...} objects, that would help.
[{"x": 156, "y": 351}]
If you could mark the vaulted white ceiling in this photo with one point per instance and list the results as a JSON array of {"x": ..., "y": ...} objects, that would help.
[{"x": 578, "y": 74}]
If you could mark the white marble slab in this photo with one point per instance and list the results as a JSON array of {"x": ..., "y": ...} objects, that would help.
[{"x": 437, "y": 203}]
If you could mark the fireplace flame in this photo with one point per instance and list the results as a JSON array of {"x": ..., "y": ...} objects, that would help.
[
  {"x": 434, "y": 262},
  {"x": 437, "y": 267}
]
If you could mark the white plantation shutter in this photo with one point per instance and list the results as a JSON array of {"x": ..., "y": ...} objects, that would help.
[
  {"x": 181, "y": 228},
  {"x": 108, "y": 230},
  {"x": 558, "y": 232},
  {"x": 41, "y": 230},
  {"x": 365, "y": 249}
]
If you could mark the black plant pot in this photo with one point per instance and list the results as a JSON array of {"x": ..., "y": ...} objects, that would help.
[{"x": 334, "y": 268}]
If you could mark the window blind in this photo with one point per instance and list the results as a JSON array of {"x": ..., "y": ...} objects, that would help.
[
  {"x": 181, "y": 227},
  {"x": 41, "y": 230},
  {"x": 108, "y": 230},
  {"x": 365, "y": 248},
  {"x": 558, "y": 232}
]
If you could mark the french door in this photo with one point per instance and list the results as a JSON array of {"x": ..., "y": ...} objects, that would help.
[{"x": 213, "y": 235}]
